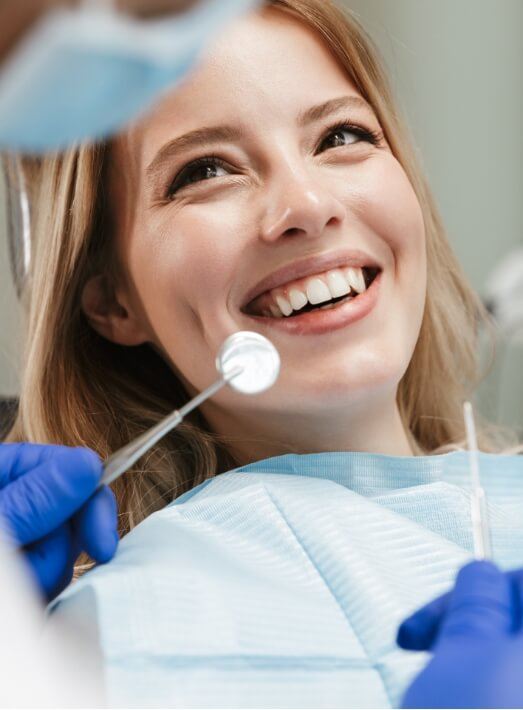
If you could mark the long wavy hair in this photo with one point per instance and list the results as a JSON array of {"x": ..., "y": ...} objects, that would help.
[{"x": 79, "y": 389}]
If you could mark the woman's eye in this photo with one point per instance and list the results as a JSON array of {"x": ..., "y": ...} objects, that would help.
[
  {"x": 337, "y": 138},
  {"x": 197, "y": 171},
  {"x": 346, "y": 135}
]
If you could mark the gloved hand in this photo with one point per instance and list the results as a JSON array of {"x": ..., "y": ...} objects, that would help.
[
  {"x": 476, "y": 634},
  {"x": 49, "y": 506}
]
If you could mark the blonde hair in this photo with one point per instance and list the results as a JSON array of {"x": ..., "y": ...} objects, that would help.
[{"x": 79, "y": 389}]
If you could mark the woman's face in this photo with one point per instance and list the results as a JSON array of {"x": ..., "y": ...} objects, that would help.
[{"x": 266, "y": 157}]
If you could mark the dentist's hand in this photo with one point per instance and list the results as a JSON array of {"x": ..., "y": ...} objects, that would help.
[
  {"x": 48, "y": 504},
  {"x": 475, "y": 633}
]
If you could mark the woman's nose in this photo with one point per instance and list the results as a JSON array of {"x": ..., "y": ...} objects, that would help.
[{"x": 300, "y": 205}]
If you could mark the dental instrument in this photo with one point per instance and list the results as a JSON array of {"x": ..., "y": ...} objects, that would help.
[
  {"x": 248, "y": 362},
  {"x": 504, "y": 294},
  {"x": 478, "y": 511},
  {"x": 17, "y": 218}
]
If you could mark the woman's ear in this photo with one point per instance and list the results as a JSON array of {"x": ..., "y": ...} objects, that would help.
[{"x": 110, "y": 315}]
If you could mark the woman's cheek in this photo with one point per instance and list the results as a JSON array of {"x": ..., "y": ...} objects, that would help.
[
  {"x": 199, "y": 246},
  {"x": 392, "y": 227},
  {"x": 387, "y": 206},
  {"x": 210, "y": 227}
]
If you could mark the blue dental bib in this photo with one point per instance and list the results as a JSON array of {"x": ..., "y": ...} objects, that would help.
[{"x": 282, "y": 583}]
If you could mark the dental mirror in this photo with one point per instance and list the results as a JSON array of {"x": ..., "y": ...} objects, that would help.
[
  {"x": 248, "y": 362},
  {"x": 257, "y": 357}
]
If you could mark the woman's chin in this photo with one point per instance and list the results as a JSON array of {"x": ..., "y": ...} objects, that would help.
[{"x": 339, "y": 390}]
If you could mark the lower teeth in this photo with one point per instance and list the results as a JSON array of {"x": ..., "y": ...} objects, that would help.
[
  {"x": 334, "y": 305},
  {"x": 327, "y": 307}
]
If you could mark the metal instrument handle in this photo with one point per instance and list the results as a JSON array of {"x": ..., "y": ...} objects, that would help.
[{"x": 125, "y": 457}]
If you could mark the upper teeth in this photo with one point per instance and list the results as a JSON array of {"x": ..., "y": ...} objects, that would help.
[{"x": 315, "y": 289}]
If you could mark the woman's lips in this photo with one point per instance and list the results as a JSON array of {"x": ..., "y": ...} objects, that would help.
[{"x": 319, "y": 322}]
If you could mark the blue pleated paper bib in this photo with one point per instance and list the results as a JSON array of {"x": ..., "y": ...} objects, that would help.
[{"x": 282, "y": 583}]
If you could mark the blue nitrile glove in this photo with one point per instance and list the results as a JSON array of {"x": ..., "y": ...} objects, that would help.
[
  {"x": 475, "y": 633},
  {"x": 48, "y": 505}
]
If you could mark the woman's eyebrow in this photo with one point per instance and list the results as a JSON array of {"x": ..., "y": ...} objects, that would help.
[
  {"x": 198, "y": 137},
  {"x": 316, "y": 113}
]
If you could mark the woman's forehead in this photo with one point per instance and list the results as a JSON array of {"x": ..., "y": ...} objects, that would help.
[{"x": 266, "y": 67}]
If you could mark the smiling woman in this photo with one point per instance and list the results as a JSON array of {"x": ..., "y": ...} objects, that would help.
[
  {"x": 275, "y": 191},
  {"x": 218, "y": 203}
]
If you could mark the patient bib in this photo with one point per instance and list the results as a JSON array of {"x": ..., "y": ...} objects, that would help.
[{"x": 282, "y": 583}]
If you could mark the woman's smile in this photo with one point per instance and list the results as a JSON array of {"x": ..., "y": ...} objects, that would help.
[
  {"x": 337, "y": 314},
  {"x": 312, "y": 296}
]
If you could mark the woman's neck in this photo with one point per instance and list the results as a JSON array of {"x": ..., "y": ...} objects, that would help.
[{"x": 251, "y": 437}]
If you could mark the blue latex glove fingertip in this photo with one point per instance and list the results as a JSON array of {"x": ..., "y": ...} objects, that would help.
[{"x": 96, "y": 524}]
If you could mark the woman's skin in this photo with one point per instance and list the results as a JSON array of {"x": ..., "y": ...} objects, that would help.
[{"x": 286, "y": 191}]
